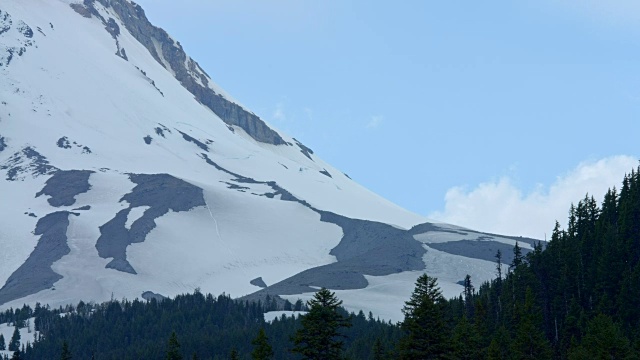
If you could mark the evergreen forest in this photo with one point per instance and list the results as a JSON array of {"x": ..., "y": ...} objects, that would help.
[{"x": 574, "y": 297}]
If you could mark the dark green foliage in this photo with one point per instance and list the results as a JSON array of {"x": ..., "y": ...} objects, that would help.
[
  {"x": 530, "y": 341},
  {"x": 14, "y": 344},
  {"x": 234, "y": 355},
  {"x": 603, "y": 340},
  {"x": 320, "y": 337},
  {"x": 3, "y": 345},
  {"x": 427, "y": 336},
  {"x": 262, "y": 350},
  {"x": 500, "y": 346},
  {"x": 17, "y": 355},
  {"x": 585, "y": 281},
  {"x": 65, "y": 354},
  {"x": 173, "y": 348},
  {"x": 466, "y": 341},
  {"x": 378, "y": 350},
  {"x": 205, "y": 325}
]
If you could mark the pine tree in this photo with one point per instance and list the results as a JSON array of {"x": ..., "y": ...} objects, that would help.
[
  {"x": 66, "y": 354},
  {"x": 319, "y": 337},
  {"x": 466, "y": 341},
  {"x": 173, "y": 348},
  {"x": 499, "y": 265},
  {"x": 234, "y": 355},
  {"x": 426, "y": 333},
  {"x": 500, "y": 347},
  {"x": 530, "y": 341},
  {"x": 517, "y": 256},
  {"x": 262, "y": 350},
  {"x": 378, "y": 350},
  {"x": 14, "y": 344},
  {"x": 17, "y": 355},
  {"x": 468, "y": 296},
  {"x": 603, "y": 340},
  {"x": 3, "y": 346}
]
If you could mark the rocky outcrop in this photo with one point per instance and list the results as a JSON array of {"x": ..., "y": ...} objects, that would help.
[
  {"x": 36, "y": 274},
  {"x": 171, "y": 55},
  {"x": 160, "y": 193}
]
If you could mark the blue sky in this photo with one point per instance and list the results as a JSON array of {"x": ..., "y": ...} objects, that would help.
[{"x": 493, "y": 115}]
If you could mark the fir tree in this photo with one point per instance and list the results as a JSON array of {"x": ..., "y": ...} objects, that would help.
[
  {"x": 530, "y": 342},
  {"x": 466, "y": 341},
  {"x": 173, "y": 348},
  {"x": 378, "y": 350},
  {"x": 234, "y": 355},
  {"x": 65, "y": 354},
  {"x": 3, "y": 346},
  {"x": 500, "y": 346},
  {"x": 17, "y": 355},
  {"x": 427, "y": 335},
  {"x": 14, "y": 344},
  {"x": 517, "y": 256},
  {"x": 603, "y": 340},
  {"x": 319, "y": 337},
  {"x": 262, "y": 350}
]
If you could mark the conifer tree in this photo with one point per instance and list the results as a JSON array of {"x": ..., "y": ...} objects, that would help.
[
  {"x": 3, "y": 345},
  {"x": 426, "y": 333},
  {"x": 173, "y": 348},
  {"x": 530, "y": 342},
  {"x": 262, "y": 350},
  {"x": 500, "y": 347},
  {"x": 466, "y": 341},
  {"x": 517, "y": 256},
  {"x": 234, "y": 355},
  {"x": 319, "y": 337},
  {"x": 65, "y": 354},
  {"x": 378, "y": 350},
  {"x": 14, "y": 344},
  {"x": 603, "y": 340},
  {"x": 17, "y": 355}
]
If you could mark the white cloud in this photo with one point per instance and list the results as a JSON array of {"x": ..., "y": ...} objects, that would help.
[
  {"x": 614, "y": 12},
  {"x": 375, "y": 122},
  {"x": 278, "y": 113},
  {"x": 500, "y": 207}
]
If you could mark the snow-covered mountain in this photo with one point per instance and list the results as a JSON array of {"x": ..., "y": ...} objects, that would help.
[{"x": 125, "y": 170}]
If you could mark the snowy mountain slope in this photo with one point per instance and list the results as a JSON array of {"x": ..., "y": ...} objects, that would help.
[{"x": 125, "y": 169}]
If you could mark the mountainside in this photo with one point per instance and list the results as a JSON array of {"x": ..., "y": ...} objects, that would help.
[{"x": 126, "y": 171}]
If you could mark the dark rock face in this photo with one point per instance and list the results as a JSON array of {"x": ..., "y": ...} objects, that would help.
[
  {"x": 7, "y": 53},
  {"x": 326, "y": 173},
  {"x": 197, "y": 142},
  {"x": 366, "y": 248},
  {"x": 63, "y": 143},
  {"x": 149, "y": 295},
  {"x": 303, "y": 149},
  {"x": 35, "y": 274},
  {"x": 483, "y": 250},
  {"x": 191, "y": 76},
  {"x": 161, "y": 193},
  {"x": 27, "y": 162},
  {"x": 64, "y": 186},
  {"x": 258, "y": 282}
]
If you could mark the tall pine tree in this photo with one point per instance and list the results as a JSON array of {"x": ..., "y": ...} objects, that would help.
[
  {"x": 426, "y": 333},
  {"x": 320, "y": 337}
]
